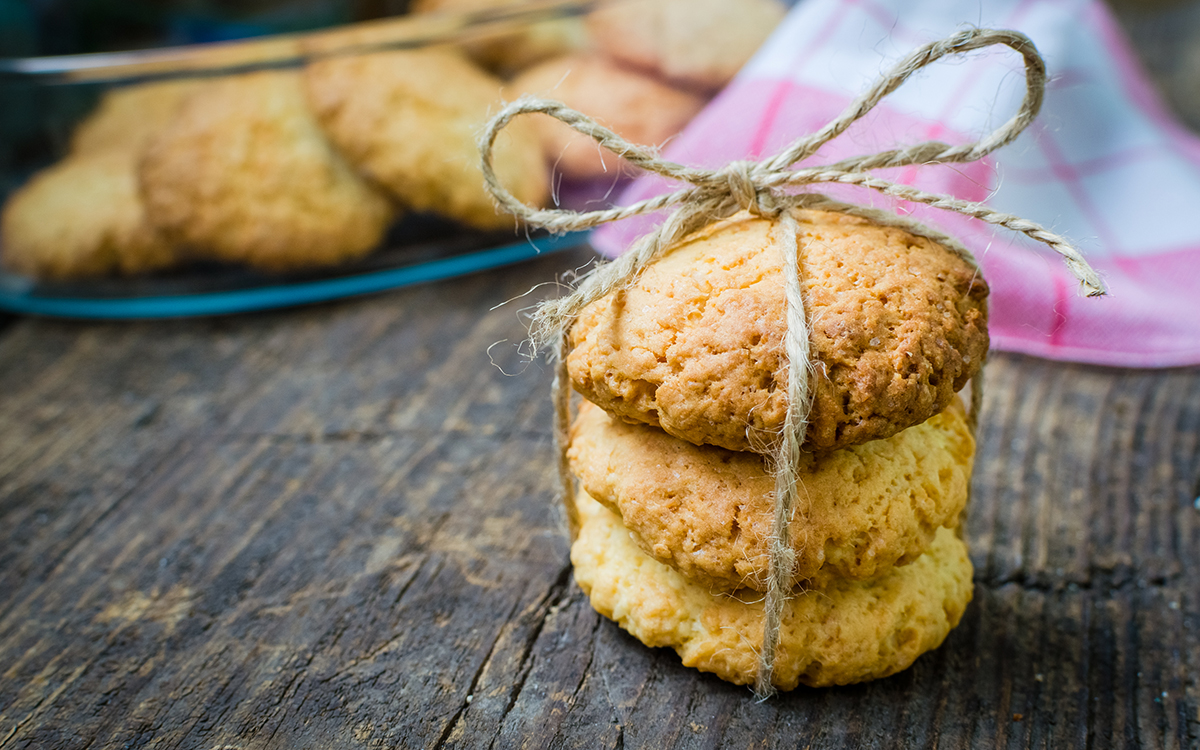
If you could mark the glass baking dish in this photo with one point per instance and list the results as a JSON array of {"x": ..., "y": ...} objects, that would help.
[{"x": 294, "y": 168}]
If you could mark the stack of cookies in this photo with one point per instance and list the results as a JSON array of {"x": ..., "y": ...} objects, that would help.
[{"x": 685, "y": 378}]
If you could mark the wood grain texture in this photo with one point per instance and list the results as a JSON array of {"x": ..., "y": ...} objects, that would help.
[{"x": 333, "y": 527}]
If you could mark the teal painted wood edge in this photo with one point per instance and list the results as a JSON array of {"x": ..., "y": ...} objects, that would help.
[{"x": 282, "y": 295}]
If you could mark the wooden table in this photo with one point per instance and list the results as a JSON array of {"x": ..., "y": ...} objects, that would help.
[{"x": 333, "y": 527}]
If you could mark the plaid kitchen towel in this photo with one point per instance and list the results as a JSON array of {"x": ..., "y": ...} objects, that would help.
[{"x": 1104, "y": 164}]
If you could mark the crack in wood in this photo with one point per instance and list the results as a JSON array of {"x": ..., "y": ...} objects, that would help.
[
  {"x": 78, "y": 673},
  {"x": 345, "y": 669},
  {"x": 300, "y": 674},
  {"x": 556, "y": 593},
  {"x": 454, "y": 721}
]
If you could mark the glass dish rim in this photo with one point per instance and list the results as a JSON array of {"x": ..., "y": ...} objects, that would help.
[{"x": 291, "y": 50}]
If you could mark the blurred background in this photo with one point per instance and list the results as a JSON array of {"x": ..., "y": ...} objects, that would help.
[
  {"x": 647, "y": 96},
  {"x": 60, "y": 27},
  {"x": 64, "y": 27},
  {"x": 1166, "y": 33}
]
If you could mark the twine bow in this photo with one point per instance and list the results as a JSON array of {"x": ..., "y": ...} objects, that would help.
[{"x": 761, "y": 188}]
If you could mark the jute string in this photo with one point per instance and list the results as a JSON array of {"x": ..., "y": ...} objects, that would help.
[{"x": 761, "y": 188}]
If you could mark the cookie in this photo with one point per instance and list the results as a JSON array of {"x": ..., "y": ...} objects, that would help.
[
  {"x": 898, "y": 326},
  {"x": 513, "y": 46},
  {"x": 243, "y": 174},
  {"x": 698, "y": 43},
  {"x": 80, "y": 218},
  {"x": 408, "y": 119},
  {"x": 128, "y": 117},
  {"x": 83, "y": 217},
  {"x": 641, "y": 109},
  {"x": 707, "y": 511},
  {"x": 846, "y": 632}
]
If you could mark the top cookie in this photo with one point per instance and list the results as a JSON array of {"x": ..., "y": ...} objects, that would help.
[{"x": 695, "y": 346}]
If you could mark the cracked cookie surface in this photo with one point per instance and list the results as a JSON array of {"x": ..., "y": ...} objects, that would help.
[
  {"x": 126, "y": 118},
  {"x": 408, "y": 119},
  {"x": 845, "y": 632},
  {"x": 82, "y": 217},
  {"x": 706, "y": 511},
  {"x": 242, "y": 173},
  {"x": 898, "y": 326},
  {"x": 637, "y": 107}
]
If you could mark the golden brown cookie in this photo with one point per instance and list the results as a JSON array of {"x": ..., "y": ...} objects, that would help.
[
  {"x": 408, "y": 119},
  {"x": 846, "y": 632},
  {"x": 82, "y": 217},
  {"x": 511, "y": 46},
  {"x": 898, "y": 326},
  {"x": 635, "y": 106},
  {"x": 699, "y": 43},
  {"x": 243, "y": 174},
  {"x": 707, "y": 511},
  {"x": 128, "y": 117}
]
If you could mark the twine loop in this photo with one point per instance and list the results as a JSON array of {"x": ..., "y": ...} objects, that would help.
[{"x": 762, "y": 189}]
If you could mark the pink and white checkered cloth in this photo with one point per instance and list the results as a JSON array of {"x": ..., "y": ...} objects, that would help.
[{"x": 1104, "y": 164}]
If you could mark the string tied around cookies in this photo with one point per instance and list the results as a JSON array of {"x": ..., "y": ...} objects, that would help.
[
  {"x": 740, "y": 177},
  {"x": 767, "y": 188}
]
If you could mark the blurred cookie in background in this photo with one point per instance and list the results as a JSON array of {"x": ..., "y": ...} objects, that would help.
[
  {"x": 82, "y": 217},
  {"x": 507, "y": 48},
  {"x": 244, "y": 174},
  {"x": 695, "y": 43},
  {"x": 408, "y": 120},
  {"x": 127, "y": 117},
  {"x": 635, "y": 106}
]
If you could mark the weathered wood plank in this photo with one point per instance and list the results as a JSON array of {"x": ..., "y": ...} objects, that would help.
[{"x": 333, "y": 527}]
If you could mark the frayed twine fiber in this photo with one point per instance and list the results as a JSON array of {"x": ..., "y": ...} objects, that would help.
[{"x": 759, "y": 187}]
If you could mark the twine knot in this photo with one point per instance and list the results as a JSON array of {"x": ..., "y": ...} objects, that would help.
[
  {"x": 760, "y": 188},
  {"x": 741, "y": 180}
]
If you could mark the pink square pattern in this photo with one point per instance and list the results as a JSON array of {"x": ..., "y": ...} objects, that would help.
[{"x": 1104, "y": 164}]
